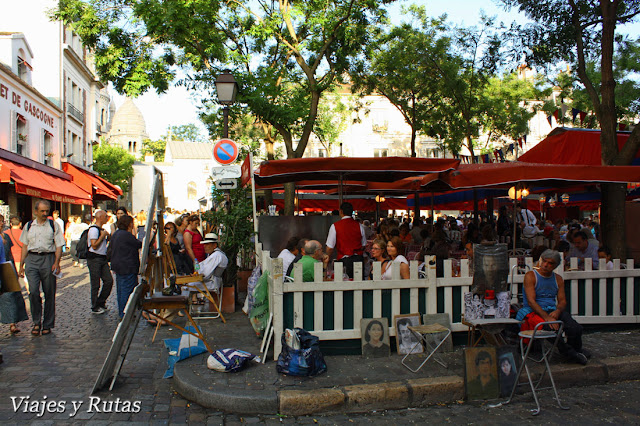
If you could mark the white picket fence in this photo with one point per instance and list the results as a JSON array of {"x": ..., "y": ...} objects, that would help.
[{"x": 423, "y": 292}]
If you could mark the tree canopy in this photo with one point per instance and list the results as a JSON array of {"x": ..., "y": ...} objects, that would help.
[
  {"x": 445, "y": 81},
  {"x": 114, "y": 164},
  {"x": 283, "y": 54},
  {"x": 580, "y": 33}
]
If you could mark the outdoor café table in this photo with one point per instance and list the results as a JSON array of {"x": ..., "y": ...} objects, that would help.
[{"x": 489, "y": 329}]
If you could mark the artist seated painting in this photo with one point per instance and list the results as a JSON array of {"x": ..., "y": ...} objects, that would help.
[
  {"x": 545, "y": 300},
  {"x": 214, "y": 264}
]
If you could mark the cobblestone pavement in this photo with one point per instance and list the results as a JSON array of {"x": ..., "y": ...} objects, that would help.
[{"x": 62, "y": 368}]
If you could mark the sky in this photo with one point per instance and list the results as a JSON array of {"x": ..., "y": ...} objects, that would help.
[{"x": 179, "y": 106}]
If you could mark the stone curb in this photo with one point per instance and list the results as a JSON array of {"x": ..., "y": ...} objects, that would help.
[
  {"x": 387, "y": 395},
  {"x": 195, "y": 388}
]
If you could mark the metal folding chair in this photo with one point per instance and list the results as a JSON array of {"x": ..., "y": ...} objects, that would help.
[
  {"x": 424, "y": 333},
  {"x": 537, "y": 334}
]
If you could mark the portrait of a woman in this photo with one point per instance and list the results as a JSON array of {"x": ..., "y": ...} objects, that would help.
[{"x": 375, "y": 339}]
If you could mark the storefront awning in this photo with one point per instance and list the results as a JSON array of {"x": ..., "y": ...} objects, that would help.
[
  {"x": 92, "y": 183},
  {"x": 37, "y": 183}
]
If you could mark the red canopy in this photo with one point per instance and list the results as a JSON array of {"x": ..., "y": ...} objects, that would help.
[
  {"x": 570, "y": 146},
  {"x": 92, "y": 183},
  {"x": 378, "y": 169},
  {"x": 359, "y": 204},
  {"x": 37, "y": 183},
  {"x": 508, "y": 174}
]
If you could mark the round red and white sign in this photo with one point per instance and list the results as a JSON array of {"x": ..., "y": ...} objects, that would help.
[{"x": 225, "y": 151}]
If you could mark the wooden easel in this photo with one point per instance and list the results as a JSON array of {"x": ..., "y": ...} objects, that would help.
[
  {"x": 187, "y": 281},
  {"x": 156, "y": 270}
]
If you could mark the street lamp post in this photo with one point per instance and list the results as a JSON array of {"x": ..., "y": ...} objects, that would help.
[{"x": 226, "y": 88}]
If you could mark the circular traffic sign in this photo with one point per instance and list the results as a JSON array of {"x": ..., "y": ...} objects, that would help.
[{"x": 225, "y": 151}]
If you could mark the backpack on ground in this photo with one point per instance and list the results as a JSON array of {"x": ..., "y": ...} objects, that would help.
[{"x": 82, "y": 249}]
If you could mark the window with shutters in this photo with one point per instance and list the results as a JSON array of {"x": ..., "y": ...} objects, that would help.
[
  {"x": 46, "y": 153},
  {"x": 21, "y": 136}
]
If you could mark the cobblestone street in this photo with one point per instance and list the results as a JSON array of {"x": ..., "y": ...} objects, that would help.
[{"x": 63, "y": 367}]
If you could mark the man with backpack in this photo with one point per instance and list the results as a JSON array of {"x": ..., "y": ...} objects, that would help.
[
  {"x": 97, "y": 263},
  {"x": 42, "y": 241}
]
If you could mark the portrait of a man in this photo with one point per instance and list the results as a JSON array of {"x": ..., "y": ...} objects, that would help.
[
  {"x": 405, "y": 339},
  {"x": 481, "y": 373},
  {"x": 375, "y": 337}
]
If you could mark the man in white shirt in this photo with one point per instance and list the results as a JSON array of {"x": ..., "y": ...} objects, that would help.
[
  {"x": 98, "y": 264},
  {"x": 214, "y": 265},
  {"x": 527, "y": 221},
  {"x": 289, "y": 253}
]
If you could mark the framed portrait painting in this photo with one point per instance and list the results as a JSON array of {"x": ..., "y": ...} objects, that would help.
[
  {"x": 507, "y": 368},
  {"x": 375, "y": 337},
  {"x": 405, "y": 339},
  {"x": 481, "y": 373}
]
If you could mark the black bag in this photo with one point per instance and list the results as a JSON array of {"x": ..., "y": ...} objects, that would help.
[
  {"x": 82, "y": 249},
  {"x": 306, "y": 361}
]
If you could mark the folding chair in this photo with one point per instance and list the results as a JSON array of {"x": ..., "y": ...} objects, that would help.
[
  {"x": 202, "y": 289},
  {"x": 537, "y": 334},
  {"x": 425, "y": 333}
]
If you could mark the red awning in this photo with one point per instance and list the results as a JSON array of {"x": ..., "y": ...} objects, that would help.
[
  {"x": 92, "y": 183},
  {"x": 570, "y": 146},
  {"x": 36, "y": 183},
  {"x": 359, "y": 204},
  {"x": 377, "y": 169},
  {"x": 508, "y": 174}
]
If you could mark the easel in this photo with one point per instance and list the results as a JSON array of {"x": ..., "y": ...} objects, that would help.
[
  {"x": 187, "y": 281},
  {"x": 144, "y": 298},
  {"x": 157, "y": 271}
]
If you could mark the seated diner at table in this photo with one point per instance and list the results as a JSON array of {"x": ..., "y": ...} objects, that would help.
[{"x": 394, "y": 248}]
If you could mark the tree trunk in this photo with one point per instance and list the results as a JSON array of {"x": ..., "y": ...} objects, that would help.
[
  {"x": 289, "y": 198},
  {"x": 612, "y": 220}
]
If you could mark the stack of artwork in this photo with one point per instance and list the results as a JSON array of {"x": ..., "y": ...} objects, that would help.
[
  {"x": 375, "y": 336},
  {"x": 490, "y": 372},
  {"x": 478, "y": 307}
]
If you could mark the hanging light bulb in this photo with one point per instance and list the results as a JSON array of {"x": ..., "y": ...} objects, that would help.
[{"x": 525, "y": 192}]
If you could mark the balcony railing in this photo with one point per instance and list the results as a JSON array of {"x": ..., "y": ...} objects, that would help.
[{"x": 75, "y": 112}]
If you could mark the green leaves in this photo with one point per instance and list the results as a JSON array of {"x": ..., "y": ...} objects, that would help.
[{"x": 114, "y": 164}]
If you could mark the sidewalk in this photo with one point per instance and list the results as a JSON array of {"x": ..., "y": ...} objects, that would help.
[{"x": 356, "y": 384}]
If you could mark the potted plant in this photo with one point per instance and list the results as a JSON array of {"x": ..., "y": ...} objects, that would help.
[
  {"x": 234, "y": 225},
  {"x": 22, "y": 137},
  {"x": 49, "y": 154}
]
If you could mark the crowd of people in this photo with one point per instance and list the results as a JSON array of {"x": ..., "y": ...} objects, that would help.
[
  {"x": 397, "y": 240},
  {"x": 112, "y": 253}
]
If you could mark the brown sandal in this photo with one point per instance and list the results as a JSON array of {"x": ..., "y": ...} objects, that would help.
[
  {"x": 35, "y": 330},
  {"x": 46, "y": 331},
  {"x": 14, "y": 329}
]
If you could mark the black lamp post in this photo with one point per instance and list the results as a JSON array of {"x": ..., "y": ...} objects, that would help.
[{"x": 226, "y": 88}]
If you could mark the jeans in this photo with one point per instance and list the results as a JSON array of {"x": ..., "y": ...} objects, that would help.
[
  {"x": 99, "y": 270},
  {"x": 124, "y": 287}
]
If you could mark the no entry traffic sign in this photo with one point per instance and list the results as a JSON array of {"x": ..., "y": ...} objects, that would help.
[{"x": 225, "y": 151}]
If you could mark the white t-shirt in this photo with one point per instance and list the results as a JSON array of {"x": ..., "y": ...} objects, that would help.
[
  {"x": 94, "y": 234},
  {"x": 399, "y": 259},
  {"x": 287, "y": 257}
]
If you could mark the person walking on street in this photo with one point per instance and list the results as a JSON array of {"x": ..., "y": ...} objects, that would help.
[
  {"x": 42, "y": 241},
  {"x": 98, "y": 264},
  {"x": 14, "y": 235},
  {"x": 125, "y": 260}
]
